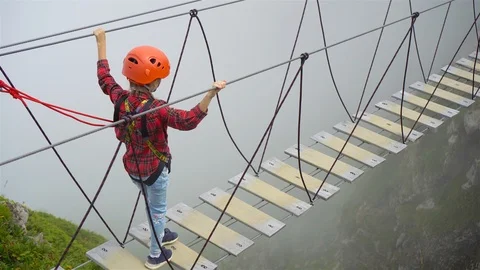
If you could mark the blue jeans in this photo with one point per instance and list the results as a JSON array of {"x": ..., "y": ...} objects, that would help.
[{"x": 157, "y": 201}]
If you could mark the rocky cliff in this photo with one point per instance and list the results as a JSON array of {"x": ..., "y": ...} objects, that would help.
[{"x": 419, "y": 210}]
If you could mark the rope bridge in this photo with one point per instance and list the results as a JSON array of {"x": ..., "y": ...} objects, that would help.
[{"x": 452, "y": 89}]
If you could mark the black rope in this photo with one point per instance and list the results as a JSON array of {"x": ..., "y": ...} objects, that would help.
[
  {"x": 114, "y": 29},
  {"x": 474, "y": 10},
  {"x": 328, "y": 62},
  {"x": 304, "y": 58},
  {"x": 449, "y": 64},
  {"x": 246, "y": 168},
  {"x": 405, "y": 77},
  {"x": 145, "y": 193},
  {"x": 180, "y": 57},
  {"x": 58, "y": 155},
  {"x": 131, "y": 218},
  {"x": 284, "y": 81},
  {"x": 439, "y": 38},
  {"x": 97, "y": 24},
  {"x": 373, "y": 60},
  {"x": 90, "y": 206},
  {"x": 416, "y": 45},
  {"x": 365, "y": 108},
  {"x": 195, "y": 14}
]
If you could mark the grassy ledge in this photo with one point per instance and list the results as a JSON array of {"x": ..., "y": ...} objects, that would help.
[{"x": 19, "y": 250}]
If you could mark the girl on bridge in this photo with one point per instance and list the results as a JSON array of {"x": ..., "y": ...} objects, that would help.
[{"x": 147, "y": 158}]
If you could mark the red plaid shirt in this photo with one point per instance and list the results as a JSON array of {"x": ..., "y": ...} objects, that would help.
[{"x": 157, "y": 123}]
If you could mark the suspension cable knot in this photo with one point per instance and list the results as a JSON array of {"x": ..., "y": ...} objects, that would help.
[
  {"x": 415, "y": 15},
  {"x": 304, "y": 56},
  {"x": 128, "y": 119},
  {"x": 193, "y": 13}
]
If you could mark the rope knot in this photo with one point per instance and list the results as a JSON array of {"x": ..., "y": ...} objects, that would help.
[
  {"x": 415, "y": 15},
  {"x": 304, "y": 56},
  {"x": 12, "y": 91},
  {"x": 193, "y": 13}
]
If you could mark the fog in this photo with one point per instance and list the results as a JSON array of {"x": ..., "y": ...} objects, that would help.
[{"x": 244, "y": 38}]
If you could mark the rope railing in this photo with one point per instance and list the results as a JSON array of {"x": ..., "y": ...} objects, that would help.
[
  {"x": 207, "y": 90},
  {"x": 303, "y": 57},
  {"x": 97, "y": 24},
  {"x": 116, "y": 29}
]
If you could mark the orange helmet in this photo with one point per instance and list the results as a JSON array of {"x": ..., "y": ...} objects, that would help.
[{"x": 144, "y": 64}]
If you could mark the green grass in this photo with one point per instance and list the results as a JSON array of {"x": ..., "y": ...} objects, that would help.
[{"x": 18, "y": 251}]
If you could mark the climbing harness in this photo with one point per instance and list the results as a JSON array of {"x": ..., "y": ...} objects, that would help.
[{"x": 144, "y": 105}]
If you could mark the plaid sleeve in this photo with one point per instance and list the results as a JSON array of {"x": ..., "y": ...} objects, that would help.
[
  {"x": 182, "y": 119},
  {"x": 107, "y": 83}
]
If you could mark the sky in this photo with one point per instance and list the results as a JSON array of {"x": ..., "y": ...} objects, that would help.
[{"x": 244, "y": 38}]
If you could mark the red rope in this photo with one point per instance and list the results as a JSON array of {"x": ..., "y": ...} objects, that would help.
[
  {"x": 17, "y": 94},
  {"x": 62, "y": 108}
]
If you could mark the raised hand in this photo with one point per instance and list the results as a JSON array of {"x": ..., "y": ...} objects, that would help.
[
  {"x": 101, "y": 43},
  {"x": 99, "y": 35}
]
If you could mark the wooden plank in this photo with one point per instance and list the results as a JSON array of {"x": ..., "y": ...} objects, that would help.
[
  {"x": 110, "y": 255},
  {"x": 390, "y": 126},
  {"x": 440, "y": 93},
  {"x": 408, "y": 113},
  {"x": 271, "y": 194},
  {"x": 468, "y": 63},
  {"x": 183, "y": 256},
  {"x": 466, "y": 88},
  {"x": 421, "y": 102},
  {"x": 200, "y": 224},
  {"x": 371, "y": 137},
  {"x": 468, "y": 75},
  {"x": 291, "y": 175},
  {"x": 472, "y": 55},
  {"x": 350, "y": 150},
  {"x": 324, "y": 162},
  {"x": 243, "y": 212}
]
